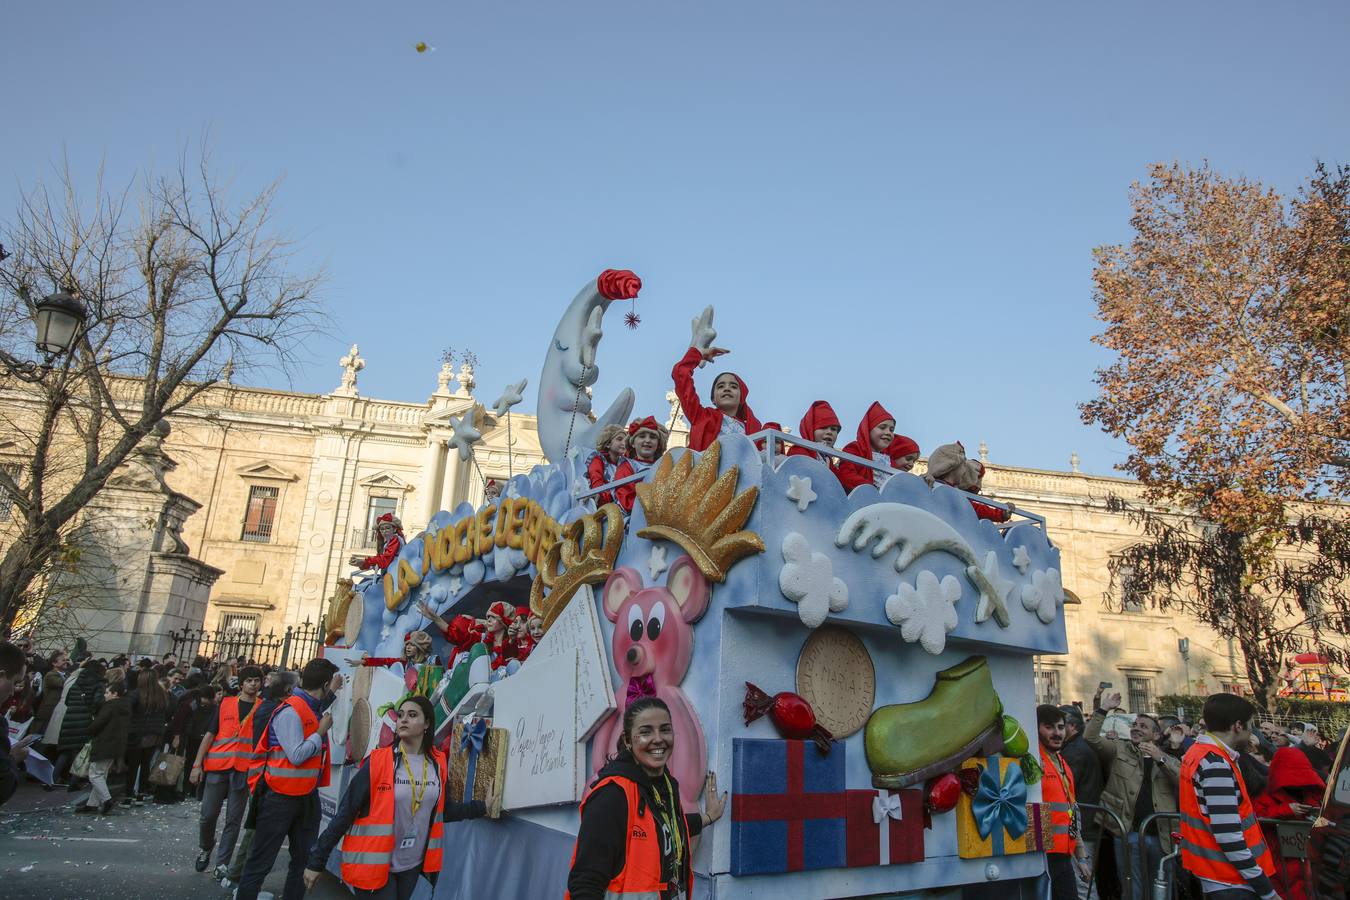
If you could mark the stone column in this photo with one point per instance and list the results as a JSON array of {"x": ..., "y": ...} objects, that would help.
[
  {"x": 433, "y": 470},
  {"x": 454, "y": 468}
]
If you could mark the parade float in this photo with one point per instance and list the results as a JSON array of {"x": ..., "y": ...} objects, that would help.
[{"x": 857, "y": 670}]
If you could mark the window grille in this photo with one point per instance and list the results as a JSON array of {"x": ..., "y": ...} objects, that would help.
[{"x": 260, "y": 514}]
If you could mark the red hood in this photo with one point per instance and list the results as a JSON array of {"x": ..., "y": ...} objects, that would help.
[
  {"x": 742, "y": 411},
  {"x": 876, "y": 414},
  {"x": 820, "y": 415},
  {"x": 1290, "y": 769},
  {"x": 901, "y": 446}
]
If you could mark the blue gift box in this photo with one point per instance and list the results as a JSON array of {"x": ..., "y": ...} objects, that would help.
[{"x": 787, "y": 807}]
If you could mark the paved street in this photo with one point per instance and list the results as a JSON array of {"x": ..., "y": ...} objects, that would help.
[{"x": 144, "y": 853}]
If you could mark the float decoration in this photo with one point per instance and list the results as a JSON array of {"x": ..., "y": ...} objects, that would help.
[
  {"x": 790, "y": 714},
  {"x": 335, "y": 624},
  {"x": 694, "y": 508},
  {"x": 884, "y": 828},
  {"x": 807, "y": 579},
  {"x": 477, "y": 769},
  {"x": 836, "y": 675},
  {"x": 909, "y": 743},
  {"x": 777, "y": 785},
  {"x": 585, "y": 551},
  {"x": 994, "y": 822}
]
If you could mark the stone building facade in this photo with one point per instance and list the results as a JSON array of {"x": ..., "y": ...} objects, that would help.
[{"x": 289, "y": 485}]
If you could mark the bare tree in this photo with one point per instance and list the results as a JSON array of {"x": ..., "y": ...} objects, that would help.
[{"x": 178, "y": 284}]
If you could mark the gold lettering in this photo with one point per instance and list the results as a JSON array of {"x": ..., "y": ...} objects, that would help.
[
  {"x": 503, "y": 521},
  {"x": 463, "y": 546},
  {"x": 485, "y": 529}
]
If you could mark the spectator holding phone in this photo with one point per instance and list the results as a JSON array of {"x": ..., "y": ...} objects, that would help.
[{"x": 1143, "y": 780}]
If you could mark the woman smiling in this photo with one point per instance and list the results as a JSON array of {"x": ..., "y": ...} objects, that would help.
[{"x": 634, "y": 839}]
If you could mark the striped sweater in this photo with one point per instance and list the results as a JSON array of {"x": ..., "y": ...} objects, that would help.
[{"x": 1217, "y": 793}]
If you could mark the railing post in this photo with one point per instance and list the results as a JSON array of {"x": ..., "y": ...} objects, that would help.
[{"x": 286, "y": 647}]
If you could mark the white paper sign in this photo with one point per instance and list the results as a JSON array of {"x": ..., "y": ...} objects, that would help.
[
  {"x": 538, "y": 706},
  {"x": 578, "y": 628}
]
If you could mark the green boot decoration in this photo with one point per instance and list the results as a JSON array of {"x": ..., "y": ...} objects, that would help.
[{"x": 908, "y": 743}]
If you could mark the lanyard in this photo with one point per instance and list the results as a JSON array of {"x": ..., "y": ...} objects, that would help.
[
  {"x": 416, "y": 794},
  {"x": 668, "y": 819}
]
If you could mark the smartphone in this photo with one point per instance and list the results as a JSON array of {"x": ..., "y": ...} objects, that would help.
[{"x": 1103, "y": 685}]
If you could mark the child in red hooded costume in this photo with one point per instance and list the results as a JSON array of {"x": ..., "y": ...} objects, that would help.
[
  {"x": 1294, "y": 791},
  {"x": 646, "y": 443},
  {"x": 876, "y": 432},
  {"x": 730, "y": 413},
  {"x": 820, "y": 424},
  {"x": 608, "y": 455}
]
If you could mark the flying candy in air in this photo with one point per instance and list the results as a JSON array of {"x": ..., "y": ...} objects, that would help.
[{"x": 423, "y": 47}]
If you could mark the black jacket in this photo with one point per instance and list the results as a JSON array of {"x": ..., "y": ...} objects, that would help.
[
  {"x": 356, "y": 803},
  {"x": 1088, "y": 781},
  {"x": 84, "y": 699},
  {"x": 9, "y": 772},
  {"x": 145, "y": 721},
  {"x": 108, "y": 732},
  {"x": 602, "y": 840}
]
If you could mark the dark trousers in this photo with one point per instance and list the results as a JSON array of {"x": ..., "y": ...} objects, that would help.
[
  {"x": 138, "y": 768},
  {"x": 1235, "y": 894},
  {"x": 279, "y": 818},
  {"x": 400, "y": 886},
  {"x": 1063, "y": 881},
  {"x": 229, "y": 789}
]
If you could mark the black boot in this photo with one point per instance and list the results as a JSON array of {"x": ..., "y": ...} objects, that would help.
[
  {"x": 86, "y": 808},
  {"x": 107, "y": 808}
]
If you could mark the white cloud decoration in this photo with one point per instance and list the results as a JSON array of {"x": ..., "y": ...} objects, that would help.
[
  {"x": 807, "y": 579},
  {"x": 925, "y": 612},
  {"x": 1045, "y": 594}
]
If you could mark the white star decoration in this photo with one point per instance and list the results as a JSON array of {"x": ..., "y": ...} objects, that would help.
[
  {"x": 994, "y": 592},
  {"x": 1020, "y": 559},
  {"x": 465, "y": 434},
  {"x": 799, "y": 490},
  {"x": 511, "y": 395},
  {"x": 455, "y": 584},
  {"x": 925, "y": 612},
  {"x": 656, "y": 563}
]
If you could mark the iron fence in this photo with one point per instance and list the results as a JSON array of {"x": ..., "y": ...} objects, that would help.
[{"x": 294, "y": 647}]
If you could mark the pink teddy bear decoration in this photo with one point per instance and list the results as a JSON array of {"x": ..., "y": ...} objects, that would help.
[{"x": 652, "y": 645}]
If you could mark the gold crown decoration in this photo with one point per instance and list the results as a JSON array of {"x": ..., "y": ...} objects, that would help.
[
  {"x": 691, "y": 506},
  {"x": 335, "y": 622},
  {"x": 586, "y": 551}
]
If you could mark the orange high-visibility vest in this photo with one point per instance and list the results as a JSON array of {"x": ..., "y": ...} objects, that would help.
[
  {"x": 1059, "y": 796},
  {"x": 368, "y": 846},
  {"x": 640, "y": 877},
  {"x": 271, "y": 764},
  {"x": 233, "y": 747},
  {"x": 1200, "y": 853}
]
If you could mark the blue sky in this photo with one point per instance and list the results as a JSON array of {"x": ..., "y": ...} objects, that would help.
[{"x": 883, "y": 200}]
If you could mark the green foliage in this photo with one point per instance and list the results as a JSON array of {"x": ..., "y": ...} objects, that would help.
[{"x": 1330, "y": 717}]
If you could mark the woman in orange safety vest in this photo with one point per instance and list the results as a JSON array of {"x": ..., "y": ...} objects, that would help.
[
  {"x": 391, "y": 815},
  {"x": 634, "y": 838}
]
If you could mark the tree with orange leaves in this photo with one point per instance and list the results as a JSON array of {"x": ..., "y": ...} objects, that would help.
[{"x": 1229, "y": 312}]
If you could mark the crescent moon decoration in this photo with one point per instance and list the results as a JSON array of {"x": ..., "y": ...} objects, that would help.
[
  {"x": 569, "y": 368},
  {"x": 914, "y": 532}
]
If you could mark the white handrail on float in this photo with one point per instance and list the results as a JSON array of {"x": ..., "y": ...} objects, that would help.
[{"x": 772, "y": 437}]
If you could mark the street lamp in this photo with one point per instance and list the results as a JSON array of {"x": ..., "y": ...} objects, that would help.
[{"x": 59, "y": 317}]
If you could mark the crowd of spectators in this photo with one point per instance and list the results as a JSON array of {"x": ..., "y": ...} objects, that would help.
[{"x": 1133, "y": 774}]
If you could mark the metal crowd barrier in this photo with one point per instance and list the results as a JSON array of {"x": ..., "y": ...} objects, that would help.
[{"x": 1162, "y": 885}]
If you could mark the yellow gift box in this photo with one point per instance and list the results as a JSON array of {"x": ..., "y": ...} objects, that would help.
[{"x": 994, "y": 822}]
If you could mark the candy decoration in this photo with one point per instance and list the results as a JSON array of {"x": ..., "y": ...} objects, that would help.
[
  {"x": 791, "y": 715},
  {"x": 943, "y": 792},
  {"x": 421, "y": 47}
]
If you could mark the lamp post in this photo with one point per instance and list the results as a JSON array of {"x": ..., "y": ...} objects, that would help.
[{"x": 59, "y": 318}]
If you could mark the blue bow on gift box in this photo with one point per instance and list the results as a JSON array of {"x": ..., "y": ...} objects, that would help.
[
  {"x": 471, "y": 742},
  {"x": 999, "y": 808}
]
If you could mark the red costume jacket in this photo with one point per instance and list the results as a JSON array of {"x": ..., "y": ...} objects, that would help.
[
  {"x": 705, "y": 422},
  {"x": 386, "y": 556},
  {"x": 625, "y": 494},
  {"x": 1292, "y": 780},
  {"x": 601, "y": 471}
]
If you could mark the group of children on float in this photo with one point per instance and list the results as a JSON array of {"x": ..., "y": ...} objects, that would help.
[{"x": 621, "y": 452}]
